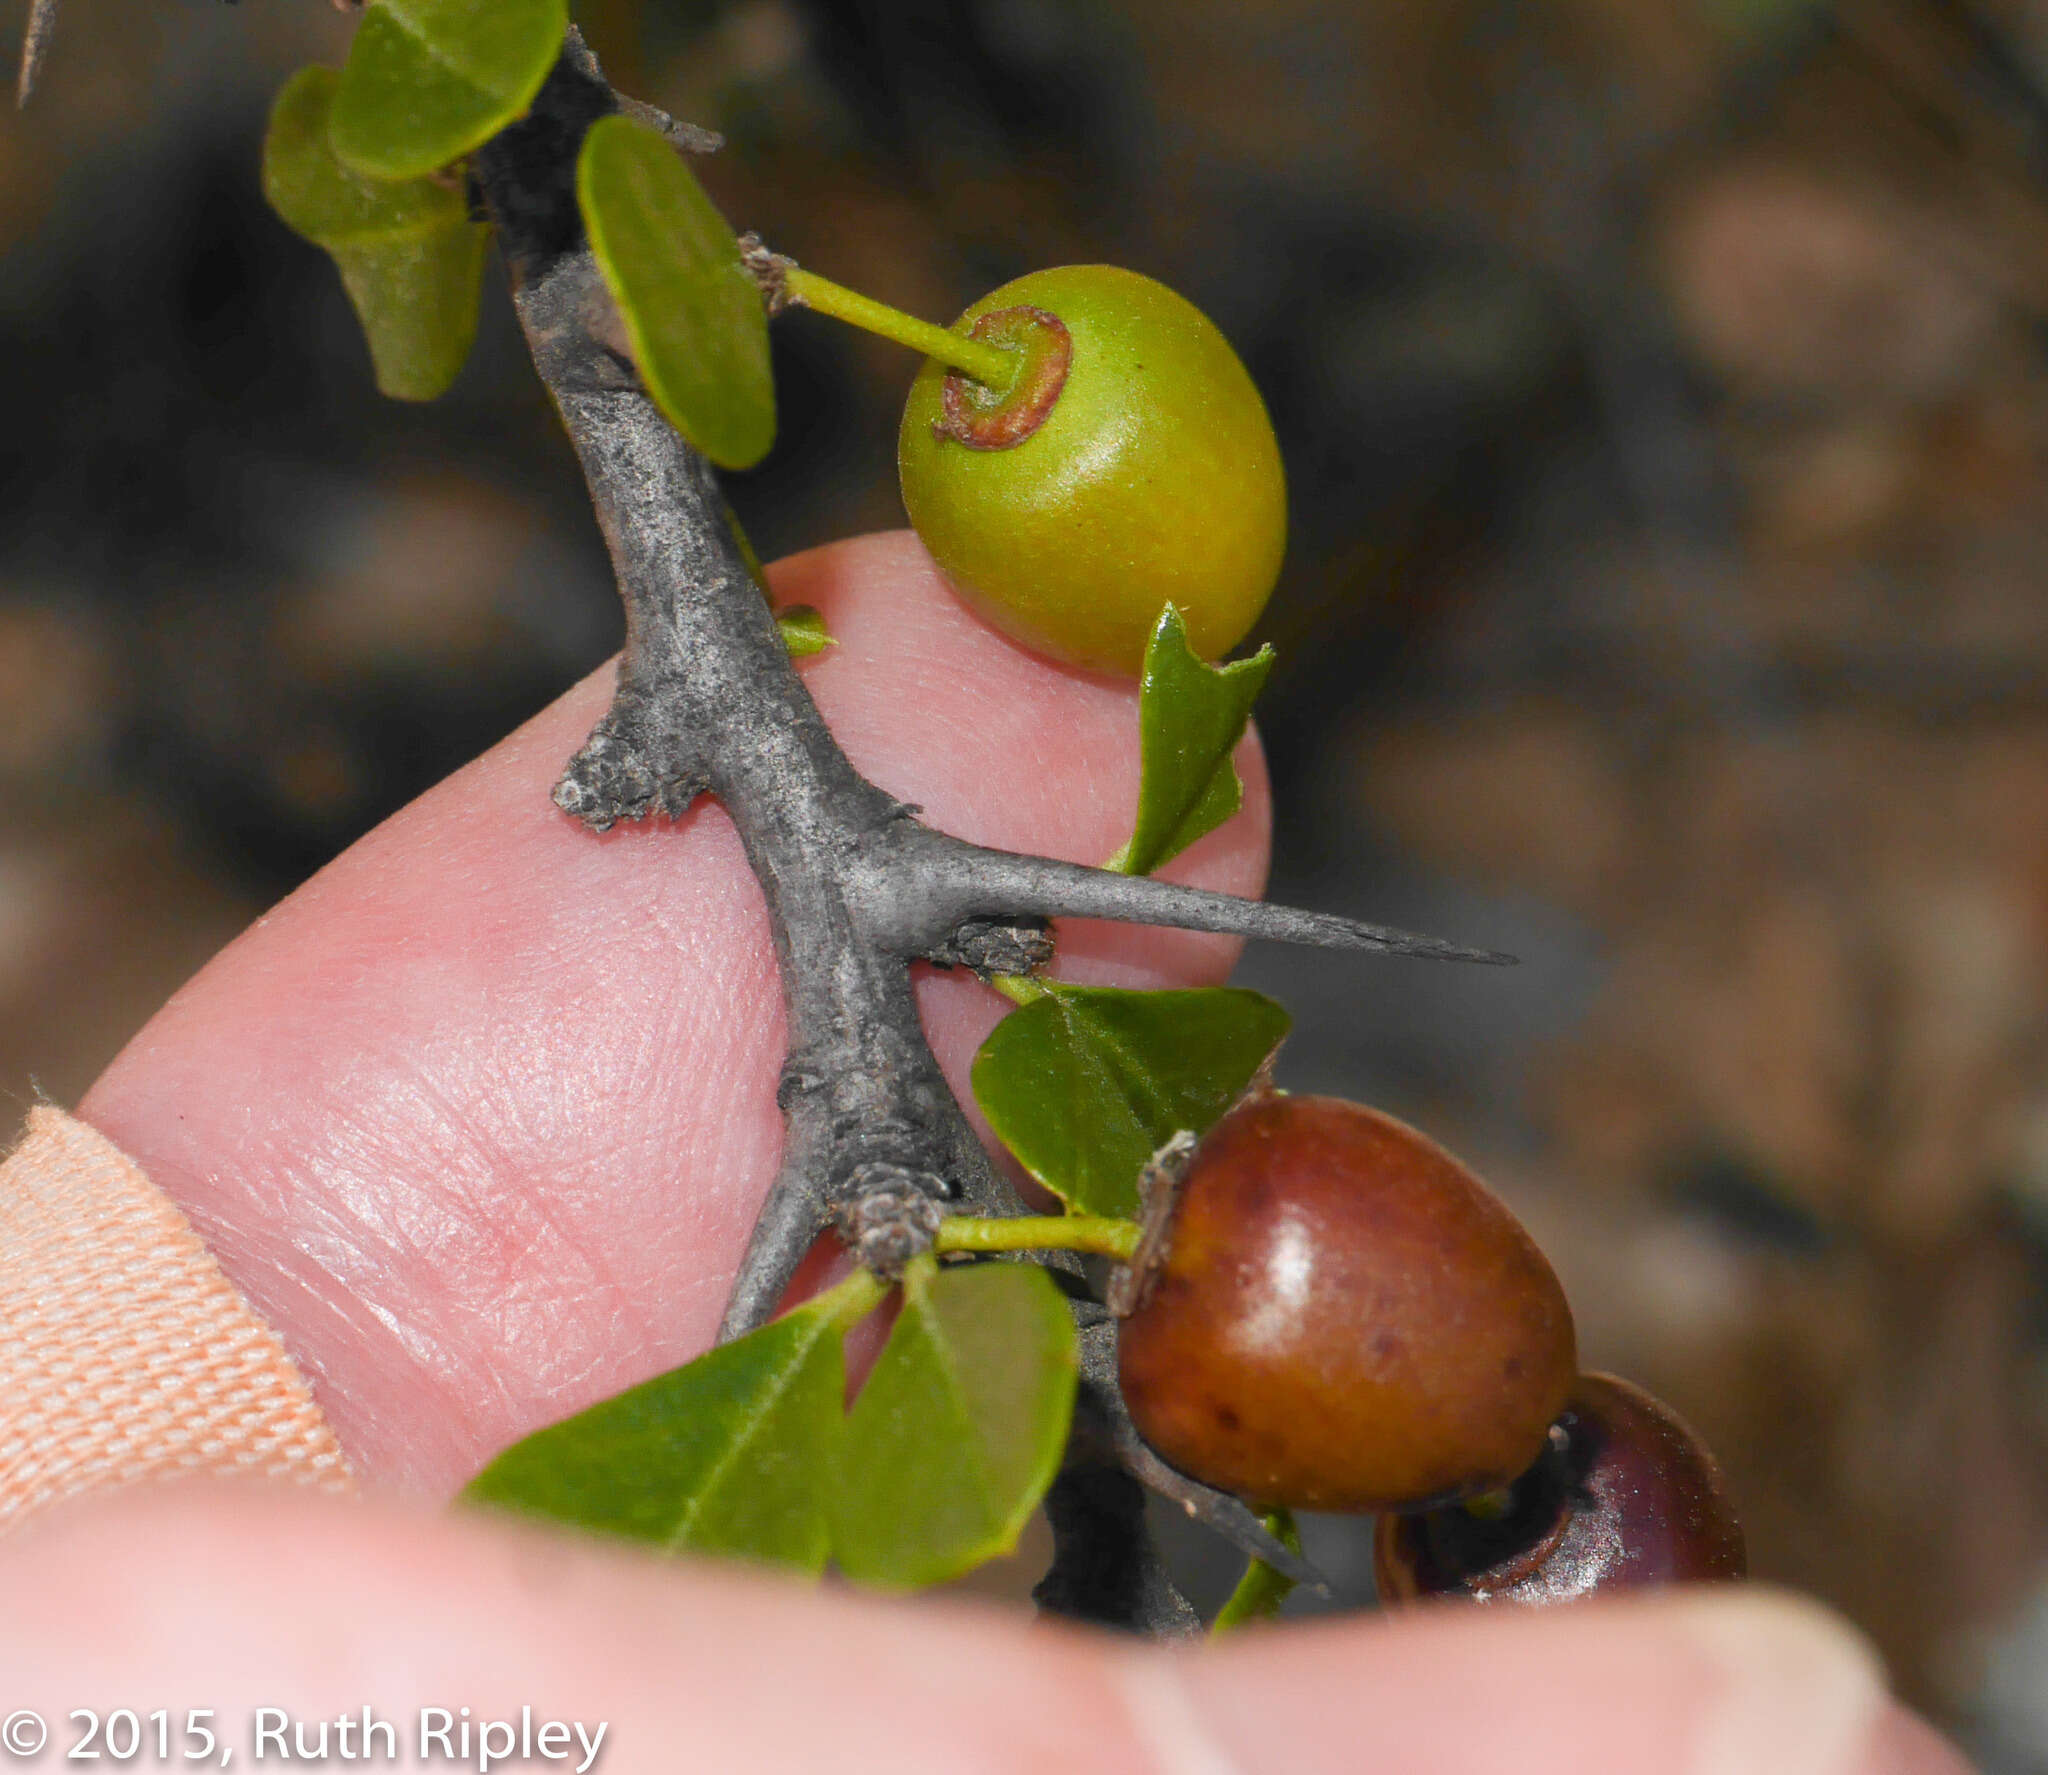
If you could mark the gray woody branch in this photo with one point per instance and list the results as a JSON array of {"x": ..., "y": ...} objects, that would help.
[
  {"x": 856, "y": 888},
  {"x": 708, "y": 701}
]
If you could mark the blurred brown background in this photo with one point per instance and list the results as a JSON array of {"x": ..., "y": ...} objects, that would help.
[{"x": 1664, "y": 387}]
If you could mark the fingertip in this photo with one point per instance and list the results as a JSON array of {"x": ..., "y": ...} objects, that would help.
[
  {"x": 1737, "y": 1680},
  {"x": 240, "y": 1597},
  {"x": 255, "y": 1594}
]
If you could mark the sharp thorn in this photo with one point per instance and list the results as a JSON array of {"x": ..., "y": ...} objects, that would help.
[{"x": 995, "y": 884}]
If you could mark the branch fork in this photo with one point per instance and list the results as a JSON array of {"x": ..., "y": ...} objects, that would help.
[{"x": 857, "y": 887}]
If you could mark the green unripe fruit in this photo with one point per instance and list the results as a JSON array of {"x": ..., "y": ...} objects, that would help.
[{"x": 1129, "y": 464}]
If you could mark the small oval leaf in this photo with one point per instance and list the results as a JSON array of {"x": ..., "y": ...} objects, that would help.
[
  {"x": 693, "y": 314},
  {"x": 1190, "y": 717},
  {"x": 410, "y": 258},
  {"x": 960, "y": 1428},
  {"x": 428, "y": 80},
  {"x": 1087, "y": 1083},
  {"x": 722, "y": 1455}
]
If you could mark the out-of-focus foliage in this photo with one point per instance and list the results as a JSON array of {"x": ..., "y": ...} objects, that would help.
[{"x": 408, "y": 252}]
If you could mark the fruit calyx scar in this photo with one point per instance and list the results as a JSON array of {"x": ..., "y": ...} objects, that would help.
[
  {"x": 985, "y": 418},
  {"x": 1159, "y": 1187}
]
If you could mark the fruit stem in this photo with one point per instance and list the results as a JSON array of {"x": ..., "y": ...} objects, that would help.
[
  {"x": 985, "y": 363},
  {"x": 1104, "y": 1234},
  {"x": 1261, "y": 1590},
  {"x": 1019, "y": 989}
]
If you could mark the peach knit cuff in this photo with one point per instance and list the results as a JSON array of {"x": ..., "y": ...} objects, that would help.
[{"x": 125, "y": 1353}]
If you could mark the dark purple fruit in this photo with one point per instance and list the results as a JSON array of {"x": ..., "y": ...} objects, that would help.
[
  {"x": 1624, "y": 1495},
  {"x": 1344, "y": 1318}
]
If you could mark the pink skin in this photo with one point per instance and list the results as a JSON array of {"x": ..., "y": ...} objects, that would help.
[
  {"x": 483, "y": 1113},
  {"x": 479, "y": 1119}
]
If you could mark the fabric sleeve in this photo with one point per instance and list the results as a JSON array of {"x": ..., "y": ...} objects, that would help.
[{"x": 125, "y": 1351}]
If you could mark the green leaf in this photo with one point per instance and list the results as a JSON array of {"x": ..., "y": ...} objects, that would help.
[
  {"x": 693, "y": 314},
  {"x": 803, "y": 631},
  {"x": 1190, "y": 717},
  {"x": 428, "y": 80},
  {"x": 722, "y": 1455},
  {"x": 410, "y": 258},
  {"x": 960, "y": 1428},
  {"x": 1087, "y": 1082}
]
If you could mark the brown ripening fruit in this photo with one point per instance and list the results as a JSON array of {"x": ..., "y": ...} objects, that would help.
[
  {"x": 1343, "y": 1318},
  {"x": 1624, "y": 1495}
]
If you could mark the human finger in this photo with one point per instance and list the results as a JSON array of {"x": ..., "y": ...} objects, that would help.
[
  {"x": 240, "y": 1598},
  {"x": 479, "y": 1118}
]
